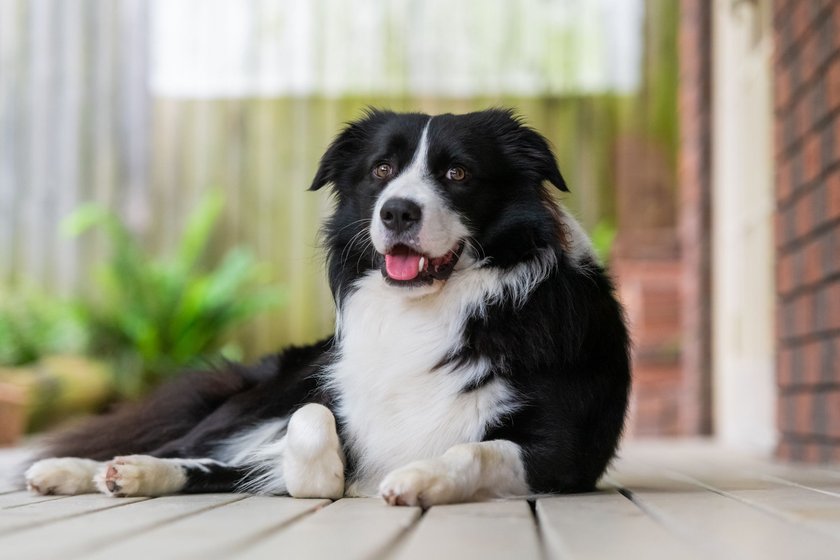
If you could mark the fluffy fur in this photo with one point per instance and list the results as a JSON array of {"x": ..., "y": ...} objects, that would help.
[{"x": 479, "y": 349}]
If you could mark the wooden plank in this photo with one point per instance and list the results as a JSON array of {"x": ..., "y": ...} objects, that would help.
[
  {"x": 349, "y": 528},
  {"x": 606, "y": 525},
  {"x": 800, "y": 494},
  {"x": 503, "y": 529},
  {"x": 228, "y": 527},
  {"x": 693, "y": 490},
  {"x": 81, "y": 535},
  {"x": 732, "y": 529},
  {"x": 43, "y": 512},
  {"x": 22, "y": 498},
  {"x": 799, "y": 505}
]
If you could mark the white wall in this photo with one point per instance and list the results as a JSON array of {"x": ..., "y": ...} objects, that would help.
[
  {"x": 743, "y": 280},
  {"x": 213, "y": 48}
]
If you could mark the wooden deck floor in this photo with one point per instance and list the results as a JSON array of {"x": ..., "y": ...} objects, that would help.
[{"x": 661, "y": 500}]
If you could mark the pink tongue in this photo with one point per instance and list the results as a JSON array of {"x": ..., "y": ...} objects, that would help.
[{"x": 402, "y": 266}]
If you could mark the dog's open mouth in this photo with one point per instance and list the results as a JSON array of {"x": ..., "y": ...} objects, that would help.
[{"x": 405, "y": 266}]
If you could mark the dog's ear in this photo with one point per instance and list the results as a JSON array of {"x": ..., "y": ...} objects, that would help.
[
  {"x": 529, "y": 148},
  {"x": 344, "y": 149},
  {"x": 539, "y": 154},
  {"x": 329, "y": 167}
]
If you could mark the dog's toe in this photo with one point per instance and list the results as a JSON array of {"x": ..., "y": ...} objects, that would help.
[{"x": 65, "y": 475}]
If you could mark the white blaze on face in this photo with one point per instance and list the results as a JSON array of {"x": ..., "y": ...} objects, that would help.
[{"x": 441, "y": 228}]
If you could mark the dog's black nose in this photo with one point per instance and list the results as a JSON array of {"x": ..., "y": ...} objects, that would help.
[{"x": 400, "y": 214}]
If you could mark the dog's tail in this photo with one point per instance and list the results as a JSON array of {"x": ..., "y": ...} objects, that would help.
[
  {"x": 176, "y": 407},
  {"x": 166, "y": 414}
]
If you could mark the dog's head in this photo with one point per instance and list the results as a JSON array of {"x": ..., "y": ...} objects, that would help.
[{"x": 422, "y": 197}]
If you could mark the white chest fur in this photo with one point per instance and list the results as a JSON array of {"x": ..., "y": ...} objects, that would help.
[{"x": 395, "y": 405}]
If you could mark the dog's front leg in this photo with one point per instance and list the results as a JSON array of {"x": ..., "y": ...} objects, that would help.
[
  {"x": 466, "y": 472},
  {"x": 313, "y": 461}
]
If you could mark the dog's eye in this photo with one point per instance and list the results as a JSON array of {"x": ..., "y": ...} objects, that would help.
[
  {"x": 456, "y": 173},
  {"x": 383, "y": 171}
]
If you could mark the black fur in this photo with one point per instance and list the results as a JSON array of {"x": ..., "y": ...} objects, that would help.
[{"x": 564, "y": 350}]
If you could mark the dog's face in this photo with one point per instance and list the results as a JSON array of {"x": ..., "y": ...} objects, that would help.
[{"x": 434, "y": 195}]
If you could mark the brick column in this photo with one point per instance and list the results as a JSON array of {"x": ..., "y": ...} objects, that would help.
[
  {"x": 695, "y": 110},
  {"x": 807, "y": 152}
]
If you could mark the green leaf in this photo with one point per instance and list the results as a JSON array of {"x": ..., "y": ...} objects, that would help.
[{"x": 198, "y": 230}]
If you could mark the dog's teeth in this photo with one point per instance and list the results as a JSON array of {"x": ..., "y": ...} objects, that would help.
[{"x": 421, "y": 264}]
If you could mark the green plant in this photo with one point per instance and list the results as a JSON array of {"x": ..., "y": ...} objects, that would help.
[
  {"x": 603, "y": 236},
  {"x": 33, "y": 325},
  {"x": 154, "y": 316}
]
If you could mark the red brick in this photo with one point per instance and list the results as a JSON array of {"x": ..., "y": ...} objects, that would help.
[
  {"x": 810, "y": 363},
  {"x": 834, "y": 134},
  {"x": 832, "y": 408},
  {"x": 812, "y": 258},
  {"x": 782, "y": 90},
  {"x": 799, "y": 20},
  {"x": 833, "y": 301},
  {"x": 779, "y": 234},
  {"x": 803, "y": 217},
  {"x": 804, "y": 315},
  {"x": 829, "y": 244},
  {"x": 830, "y": 357},
  {"x": 804, "y": 413},
  {"x": 784, "y": 179},
  {"x": 785, "y": 282},
  {"x": 811, "y": 453},
  {"x": 833, "y": 196},
  {"x": 832, "y": 83},
  {"x": 784, "y": 370},
  {"x": 784, "y": 450},
  {"x": 801, "y": 119},
  {"x": 835, "y": 24},
  {"x": 809, "y": 57},
  {"x": 811, "y": 153}
]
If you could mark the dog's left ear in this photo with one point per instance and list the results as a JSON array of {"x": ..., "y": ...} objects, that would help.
[
  {"x": 530, "y": 149},
  {"x": 533, "y": 148},
  {"x": 544, "y": 160}
]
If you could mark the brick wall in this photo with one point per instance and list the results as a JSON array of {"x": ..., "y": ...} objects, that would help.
[
  {"x": 807, "y": 152},
  {"x": 694, "y": 174},
  {"x": 646, "y": 264}
]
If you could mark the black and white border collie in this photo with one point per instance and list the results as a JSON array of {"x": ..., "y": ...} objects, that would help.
[{"x": 479, "y": 350}]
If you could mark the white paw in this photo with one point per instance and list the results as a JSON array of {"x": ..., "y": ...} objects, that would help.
[
  {"x": 140, "y": 475},
  {"x": 421, "y": 483},
  {"x": 65, "y": 475},
  {"x": 313, "y": 466}
]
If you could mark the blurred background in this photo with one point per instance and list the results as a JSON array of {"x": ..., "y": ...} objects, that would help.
[{"x": 154, "y": 160}]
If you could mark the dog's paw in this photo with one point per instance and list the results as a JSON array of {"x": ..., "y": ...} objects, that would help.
[
  {"x": 421, "y": 483},
  {"x": 140, "y": 475},
  {"x": 313, "y": 466},
  {"x": 65, "y": 475}
]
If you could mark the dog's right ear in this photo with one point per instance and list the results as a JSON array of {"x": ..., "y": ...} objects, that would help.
[
  {"x": 329, "y": 168},
  {"x": 345, "y": 148}
]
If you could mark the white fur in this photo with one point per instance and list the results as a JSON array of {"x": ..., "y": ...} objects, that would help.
[
  {"x": 144, "y": 475},
  {"x": 466, "y": 472},
  {"x": 300, "y": 455},
  {"x": 441, "y": 227},
  {"x": 239, "y": 449},
  {"x": 65, "y": 475},
  {"x": 579, "y": 244},
  {"x": 396, "y": 407},
  {"x": 313, "y": 462}
]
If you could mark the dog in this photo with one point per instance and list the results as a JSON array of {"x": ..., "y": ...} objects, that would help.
[{"x": 479, "y": 350}]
